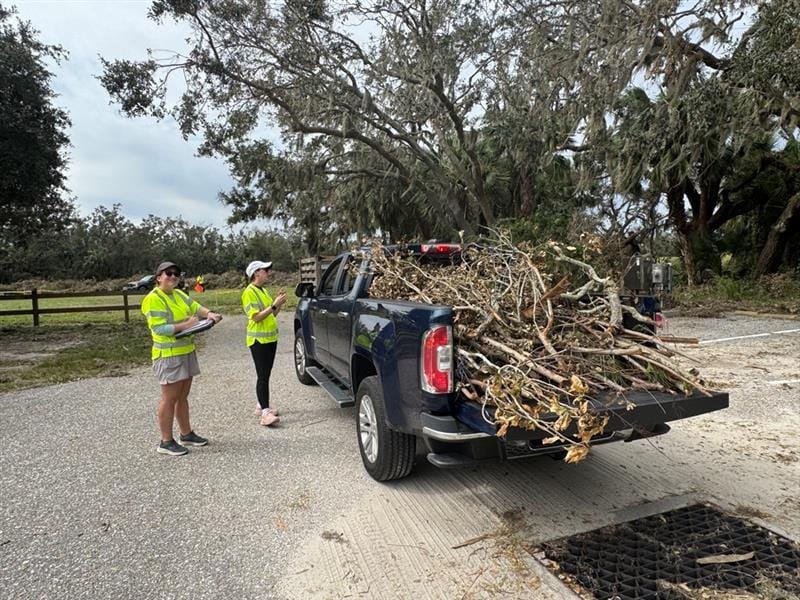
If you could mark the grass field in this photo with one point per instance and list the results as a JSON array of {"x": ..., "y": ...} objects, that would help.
[{"x": 71, "y": 346}]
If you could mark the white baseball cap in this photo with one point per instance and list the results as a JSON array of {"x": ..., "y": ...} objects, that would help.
[{"x": 256, "y": 265}]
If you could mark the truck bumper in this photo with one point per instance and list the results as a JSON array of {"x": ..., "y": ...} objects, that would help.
[
  {"x": 452, "y": 444},
  {"x": 469, "y": 436}
]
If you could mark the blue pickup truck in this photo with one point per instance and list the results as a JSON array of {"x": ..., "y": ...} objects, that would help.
[{"x": 393, "y": 360}]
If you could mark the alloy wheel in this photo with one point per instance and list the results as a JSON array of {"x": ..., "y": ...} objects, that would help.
[
  {"x": 368, "y": 428},
  {"x": 300, "y": 356}
]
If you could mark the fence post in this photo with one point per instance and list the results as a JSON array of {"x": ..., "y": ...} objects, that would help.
[
  {"x": 35, "y": 306},
  {"x": 125, "y": 304}
]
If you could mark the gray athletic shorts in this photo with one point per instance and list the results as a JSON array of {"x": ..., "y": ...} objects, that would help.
[{"x": 176, "y": 368}]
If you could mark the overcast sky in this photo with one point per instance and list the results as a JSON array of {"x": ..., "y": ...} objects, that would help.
[{"x": 142, "y": 164}]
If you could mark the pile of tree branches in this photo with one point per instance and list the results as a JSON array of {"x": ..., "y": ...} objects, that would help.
[{"x": 538, "y": 333}]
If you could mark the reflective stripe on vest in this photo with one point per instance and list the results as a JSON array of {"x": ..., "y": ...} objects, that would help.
[
  {"x": 176, "y": 344},
  {"x": 269, "y": 333}
]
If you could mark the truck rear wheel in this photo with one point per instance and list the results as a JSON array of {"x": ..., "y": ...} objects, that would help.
[
  {"x": 386, "y": 454},
  {"x": 301, "y": 362}
]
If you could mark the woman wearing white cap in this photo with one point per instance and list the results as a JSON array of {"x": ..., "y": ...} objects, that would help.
[{"x": 262, "y": 332}]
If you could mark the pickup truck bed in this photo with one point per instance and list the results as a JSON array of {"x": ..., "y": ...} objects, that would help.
[{"x": 469, "y": 434}]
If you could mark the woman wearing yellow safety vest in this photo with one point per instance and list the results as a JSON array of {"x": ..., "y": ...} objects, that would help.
[
  {"x": 168, "y": 311},
  {"x": 262, "y": 332}
]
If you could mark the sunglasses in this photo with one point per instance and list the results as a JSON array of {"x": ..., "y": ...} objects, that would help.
[{"x": 171, "y": 273}]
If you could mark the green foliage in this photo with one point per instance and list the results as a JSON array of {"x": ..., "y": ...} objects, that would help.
[
  {"x": 768, "y": 180},
  {"x": 428, "y": 129},
  {"x": 729, "y": 289},
  {"x": 33, "y": 138},
  {"x": 774, "y": 293},
  {"x": 106, "y": 245},
  {"x": 707, "y": 131}
]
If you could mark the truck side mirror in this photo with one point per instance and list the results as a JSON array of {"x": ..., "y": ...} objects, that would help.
[{"x": 304, "y": 290}]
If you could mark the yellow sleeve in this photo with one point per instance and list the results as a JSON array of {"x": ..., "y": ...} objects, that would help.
[{"x": 250, "y": 304}]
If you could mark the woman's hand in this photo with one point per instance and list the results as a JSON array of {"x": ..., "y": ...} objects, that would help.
[
  {"x": 190, "y": 322},
  {"x": 216, "y": 317},
  {"x": 280, "y": 299}
]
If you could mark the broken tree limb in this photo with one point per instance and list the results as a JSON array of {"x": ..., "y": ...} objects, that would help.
[{"x": 539, "y": 339}]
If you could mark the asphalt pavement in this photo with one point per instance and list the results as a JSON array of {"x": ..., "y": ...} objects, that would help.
[{"x": 88, "y": 509}]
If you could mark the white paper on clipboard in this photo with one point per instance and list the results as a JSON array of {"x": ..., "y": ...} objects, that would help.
[{"x": 201, "y": 326}]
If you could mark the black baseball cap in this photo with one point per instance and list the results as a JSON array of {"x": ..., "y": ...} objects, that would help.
[{"x": 164, "y": 266}]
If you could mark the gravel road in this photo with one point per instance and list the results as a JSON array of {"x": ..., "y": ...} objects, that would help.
[{"x": 88, "y": 509}]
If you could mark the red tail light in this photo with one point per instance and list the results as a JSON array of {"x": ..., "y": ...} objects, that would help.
[
  {"x": 437, "y": 360},
  {"x": 439, "y": 248}
]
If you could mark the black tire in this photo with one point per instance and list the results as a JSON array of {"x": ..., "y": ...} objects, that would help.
[
  {"x": 386, "y": 454},
  {"x": 142, "y": 288},
  {"x": 560, "y": 455},
  {"x": 301, "y": 362}
]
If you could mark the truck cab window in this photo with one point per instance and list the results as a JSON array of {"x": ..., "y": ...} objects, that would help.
[
  {"x": 348, "y": 277},
  {"x": 326, "y": 286}
]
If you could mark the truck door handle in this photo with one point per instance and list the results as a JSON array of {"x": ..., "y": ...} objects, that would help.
[
  {"x": 343, "y": 314},
  {"x": 322, "y": 311}
]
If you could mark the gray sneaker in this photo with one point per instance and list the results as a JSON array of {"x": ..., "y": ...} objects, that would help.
[
  {"x": 192, "y": 439},
  {"x": 172, "y": 448}
]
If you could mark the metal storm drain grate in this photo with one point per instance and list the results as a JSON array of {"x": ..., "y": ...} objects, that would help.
[{"x": 692, "y": 552}]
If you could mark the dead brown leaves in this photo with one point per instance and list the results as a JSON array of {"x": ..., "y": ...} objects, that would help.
[{"x": 539, "y": 336}]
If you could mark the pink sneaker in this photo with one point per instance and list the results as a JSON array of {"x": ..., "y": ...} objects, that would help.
[
  {"x": 268, "y": 418},
  {"x": 257, "y": 410},
  {"x": 274, "y": 411}
]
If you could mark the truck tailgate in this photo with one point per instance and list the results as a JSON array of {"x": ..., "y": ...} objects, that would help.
[{"x": 638, "y": 410}]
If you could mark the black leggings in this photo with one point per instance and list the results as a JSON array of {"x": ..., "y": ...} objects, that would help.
[{"x": 264, "y": 358}]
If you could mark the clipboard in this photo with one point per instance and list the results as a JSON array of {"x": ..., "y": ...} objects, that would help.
[{"x": 200, "y": 327}]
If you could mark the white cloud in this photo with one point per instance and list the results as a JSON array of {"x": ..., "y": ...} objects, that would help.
[{"x": 142, "y": 164}]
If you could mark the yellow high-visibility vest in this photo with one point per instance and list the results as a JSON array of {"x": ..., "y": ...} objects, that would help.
[
  {"x": 254, "y": 300},
  {"x": 160, "y": 308}
]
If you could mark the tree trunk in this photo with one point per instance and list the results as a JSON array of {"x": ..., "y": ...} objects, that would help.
[
  {"x": 700, "y": 256},
  {"x": 688, "y": 258},
  {"x": 454, "y": 207},
  {"x": 524, "y": 195},
  {"x": 487, "y": 212},
  {"x": 771, "y": 254}
]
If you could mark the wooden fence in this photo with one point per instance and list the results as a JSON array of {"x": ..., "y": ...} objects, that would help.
[
  {"x": 35, "y": 295},
  {"x": 312, "y": 268}
]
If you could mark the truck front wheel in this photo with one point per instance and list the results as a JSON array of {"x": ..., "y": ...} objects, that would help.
[
  {"x": 386, "y": 454},
  {"x": 301, "y": 362}
]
